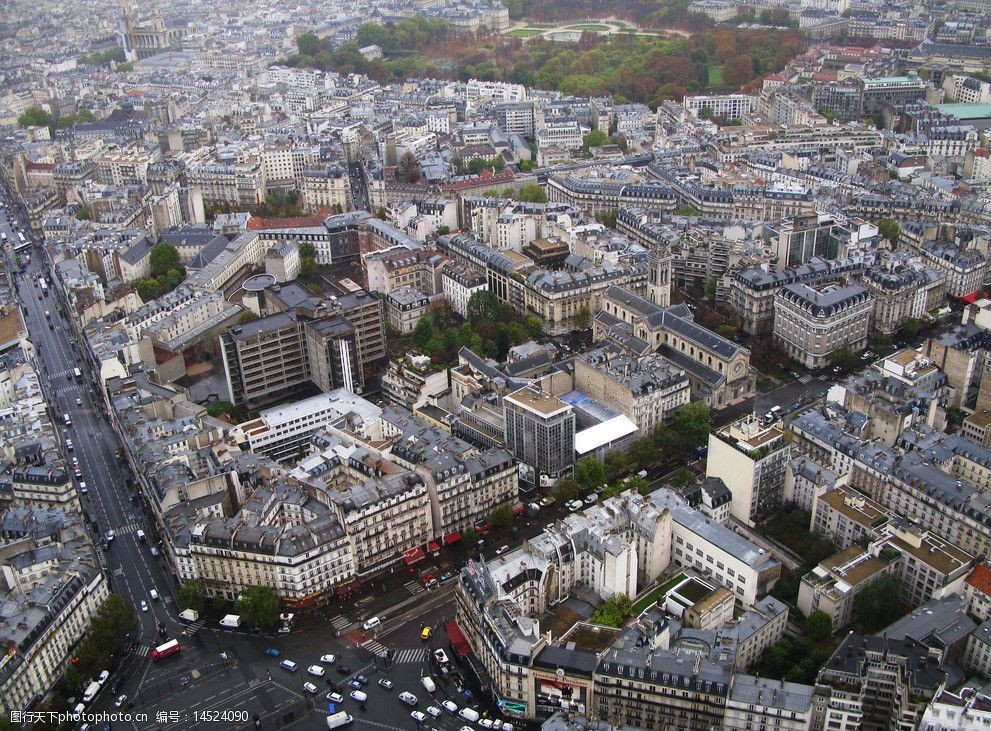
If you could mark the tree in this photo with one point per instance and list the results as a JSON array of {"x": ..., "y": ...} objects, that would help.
[
  {"x": 483, "y": 307},
  {"x": 879, "y": 604},
  {"x": 819, "y": 625},
  {"x": 687, "y": 210},
  {"x": 614, "y": 611},
  {"x": 710, "y": 289},
  {"x": 307, "y": 250},
  {"x": 163, "y": 257},
  {"x": 889, "y": 229},
  {"x": 443, "y": 230},
  {"x": 583, "y": 318},
  {"x": 567, "y": 489},
  {"x": 617, "y": 465},
  {"x": 109, "y": 629},
  {"x": 738, "y": 70},
  {"x": 82, "y": 213},
  {"x": 590, "y": 473},
  {"x": 501, "y": 516},
  {"x": 34, "y": 117},
  {"x": 309, "y": 44},
  {"x": 470, "y": 536},
  {"x": 692, "y": 423},
  {"x": 259, "y": 605},
  {"x": 148, "y": 289},
  {"x": 308, "y": 268},
  {"x": 844, "y": 358},
  {"x": 526, "y": 166},
  {"x": 532, "y": 193},
  {"x": 247, "y": 316},
  {"x": 192, "y": 595},
  {"x": 595, "y": 138},
  {"x": 910, "y": 328}
]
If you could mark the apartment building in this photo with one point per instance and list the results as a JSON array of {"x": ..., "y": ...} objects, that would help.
[
  {"x": 327, "y": 187},
  {"x": 645, "y": 389},
  {"x": 283, "y": 538},
  {"x": 726, "y": 106},
  {"x": 964, "y": 269},
  {"x": 459, "y": 283},
  {"x": 977, "y": 592},
  {"x": 53, "y": 588},
  {"x": 846, "y": 517},
  {"x": 833, "y": 585},
  {"x": 873, "y": 683},
  {"x": 391, "y": 269},
  {"x": 597, "y": 196},
  {"x": 464, "y": 483},
  {"x": 761, "y": 703},
  {"x": 750, "y": 458},
  {"x": 812, "y": 323},
  {"x": 404, "y": 306}
]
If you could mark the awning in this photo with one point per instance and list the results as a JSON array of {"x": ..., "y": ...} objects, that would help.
[
  {"x": 433, "y": 546},
  {"x": 452, "y": 537},
  {"x": 458, "y": 642},
  {"x": 413, "y": 555}
]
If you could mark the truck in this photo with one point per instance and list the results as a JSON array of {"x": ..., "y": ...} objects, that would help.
[
  {"x": 339, "y": 719},
  {"x": 231, "y": 621},
  {"x": 189, "y": 615},
  {"x": 428, "y": 684},
  {"x": 91, "y": 690}
]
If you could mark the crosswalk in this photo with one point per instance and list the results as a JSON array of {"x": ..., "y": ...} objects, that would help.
[
  {"x": 410, "y": 655},
  {"x": 339, "y": 622},
  {"x": 194, "y": 627},
  {"x": 62, "y": 390},
  {"x": 143, "y": 651},
  {"x": 373, "y": 646},
  {"x": 413, "y": 587},
  {"x": 128, "y": 528}
]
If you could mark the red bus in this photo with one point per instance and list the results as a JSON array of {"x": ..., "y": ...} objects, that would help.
[{"x": 169, "y": 648}]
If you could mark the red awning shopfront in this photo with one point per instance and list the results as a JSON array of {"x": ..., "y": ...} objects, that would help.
[{"x": 413, "y": 555}]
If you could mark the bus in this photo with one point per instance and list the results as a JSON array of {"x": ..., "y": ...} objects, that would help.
[
  {"x": 169, "y": 648},
  {"x": 44, "y": 285}
]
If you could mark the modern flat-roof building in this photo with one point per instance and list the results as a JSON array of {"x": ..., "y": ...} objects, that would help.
[{"x": 540, "y": 433}]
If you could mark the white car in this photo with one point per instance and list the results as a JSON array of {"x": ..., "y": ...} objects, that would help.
[
  {"x": 371, "y": 623},
  {"x": 316, "y": 671},
  {"x": 433, "y": 711},
  {"x": 121, "y": 700},
  {"x": 450, "y": 705},
  {"x": 408, "y": 698},
  {"x": 441, "y": 656},
  {"x": 485, "y": 723},
  {"x": 103, "y": 677},
  {"x": 385, "y": 683},
  {"x": 335, "y": 697},
  {"x": 418, "y": 716},
  {"x": 310, "y": 688},
  {"x": 144, "y": 606},
  {"x": 330, "y": 659}
]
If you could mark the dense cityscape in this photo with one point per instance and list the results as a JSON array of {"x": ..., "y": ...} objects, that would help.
[{"x": 447, "y": 365}]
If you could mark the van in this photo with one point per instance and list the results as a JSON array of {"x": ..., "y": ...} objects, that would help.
[
  {"x": 428, "y": 684},
  {"x": 469, "y": 714},
  {"x": 408, "y": 698},
  {"x": 140, "y": 534},
  {"x": 371, "y": 623},
  {"x": 91, "y": 690},
  {"x": 66, "y": 419},
  {"x": 339, "y": 719},
  {"x": 153, "y": 594},
  {"x": 288, "y": 665},
  {"x": 80, "y": 707},
  {"x": 358, "y": 696}
]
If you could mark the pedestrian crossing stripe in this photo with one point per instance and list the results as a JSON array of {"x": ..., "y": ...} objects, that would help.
[
  {"x": 339, "y": 622},
  {"x": 409, "y": 655},
  {"x": 131, "y": 527},
  {"x": 413, "y": 587},
  {"x": 143, "y": 651},
  {"x": 376, "y": 648}
]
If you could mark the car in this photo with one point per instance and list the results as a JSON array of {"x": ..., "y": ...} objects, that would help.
[
  {"x": 289, "y": 666},
  {"x": 440, "y": 656},
  {"x": 335, "y": 697},
  {"x": 353, "y": 683},
  {"x": 358, "y": 695},
  {"x": 144, "y": 606},
  {"x": 482, "y": 526},
  {"x": 425, "y": 632},
  {"x": 591, "y": 499},
  {"x": 110, "y": 535},
  {"x": 546, "y": 500},
  {"x": 450, "y": 706},
  {"x": 418, "y": 716},
  {"x": 83, "y": 490},
  {"x": 429, "y": 582},
  {"x": 371, "y": 623},
  {"x": 385, "y": 683},
  {"x": 329, "y": 659},
  {"x": 343, "y": 669},
  {"x": 485, "y": 722},
  {"x": 316, "y": 671},
  {"x": 153, "y": 593},
  {"x": 501, "y": 550},
  {"x": 408, "y": 698},
  {"x": 433, "y": 711},
  {"x": 75, "y": 460},
  {"x": 363, "y": 679},
  {"x": 272, "y": 652},
  {"x": 446, "y": 576},
  {"x": 103, "y": 677},
  {"x": 121, "y": 700},
  {"x": 310, "y": 688},
  {"x": 79, "y": 402}
]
